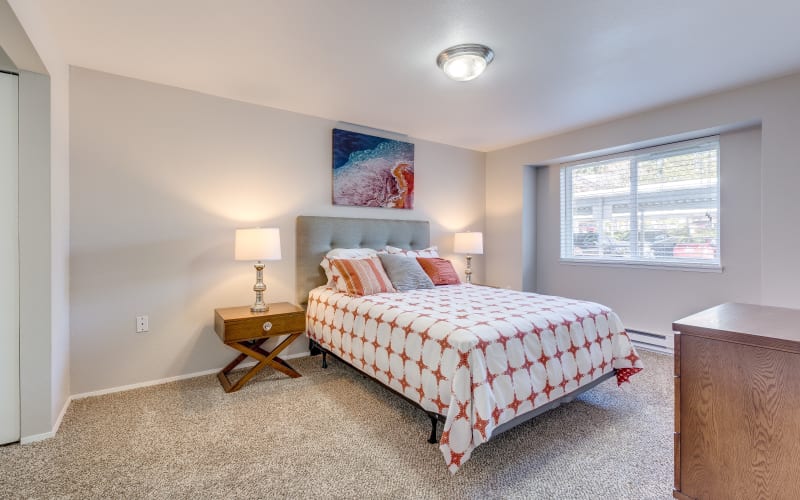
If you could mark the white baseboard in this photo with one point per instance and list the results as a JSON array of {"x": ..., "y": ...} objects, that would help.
[
  {"x": 48, "y": 435},
  {"x": 36, "y": 437},
  {"x": 64, "y": 408},
  {"x": 149, "y": 383}
]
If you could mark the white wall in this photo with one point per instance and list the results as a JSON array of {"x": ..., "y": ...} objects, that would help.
[
  {"x": 759, "y": 176},
  {"x": 650, "y": 299},
  {"x": 6, "y": 64},
  {"x": 161, "y": 177}
]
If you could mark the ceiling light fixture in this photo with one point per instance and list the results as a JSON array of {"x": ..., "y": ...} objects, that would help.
[{"x": 466, "y": 61}]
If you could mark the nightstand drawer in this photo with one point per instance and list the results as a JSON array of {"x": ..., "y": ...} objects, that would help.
[{"x": 234, "y": 324}]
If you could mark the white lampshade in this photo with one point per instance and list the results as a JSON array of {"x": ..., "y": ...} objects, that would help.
[
  {"x": 260, "y": 243},
  {"x": 469, "y": 243}
]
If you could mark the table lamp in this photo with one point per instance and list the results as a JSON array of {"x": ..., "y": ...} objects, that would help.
[
  {"x": 469, "y": 243},
  {"x": 260, "y": 243}
]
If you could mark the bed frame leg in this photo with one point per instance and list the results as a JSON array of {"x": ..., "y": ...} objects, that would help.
[
  {"x": 324, "y": 359},
  {"x": 313, "y": 348},
  {"x": 434, "y": 423}
]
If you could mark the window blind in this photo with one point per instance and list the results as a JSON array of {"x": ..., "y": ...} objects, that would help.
[{"x": 654, "y": 206}]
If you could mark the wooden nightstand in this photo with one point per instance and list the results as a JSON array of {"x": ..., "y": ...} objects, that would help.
[{"x": 246, "y": 331}]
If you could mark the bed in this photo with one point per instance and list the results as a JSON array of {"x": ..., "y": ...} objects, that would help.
[{"x": 479, "y": 359}]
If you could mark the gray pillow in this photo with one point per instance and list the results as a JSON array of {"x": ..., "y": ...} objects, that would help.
[{"x": 405, "y": 272}]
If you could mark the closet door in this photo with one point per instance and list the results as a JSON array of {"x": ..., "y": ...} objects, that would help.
[{"x": 9, "y": 260}]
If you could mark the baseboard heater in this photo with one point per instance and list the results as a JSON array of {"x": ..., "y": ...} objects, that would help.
[{"x": 651, "y": 341}]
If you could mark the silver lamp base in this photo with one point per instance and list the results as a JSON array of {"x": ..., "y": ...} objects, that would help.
[
  {"x": 468, "y": 270},
  {"x": 259, "y": 306}
]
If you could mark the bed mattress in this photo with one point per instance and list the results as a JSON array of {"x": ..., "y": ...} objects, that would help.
[{"x": 477, "y": 355}]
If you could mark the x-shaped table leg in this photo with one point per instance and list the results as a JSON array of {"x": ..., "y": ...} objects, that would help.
[{"x": 254, "y": 350}]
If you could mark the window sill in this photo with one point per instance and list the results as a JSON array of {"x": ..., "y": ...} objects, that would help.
[{"x": 635, "y": 264}]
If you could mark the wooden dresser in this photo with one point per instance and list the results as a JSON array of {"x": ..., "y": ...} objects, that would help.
[{"x": 737, "y": 403}]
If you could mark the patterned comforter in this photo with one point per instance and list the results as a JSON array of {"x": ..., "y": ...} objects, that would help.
[{"x": 479, "y": 356}]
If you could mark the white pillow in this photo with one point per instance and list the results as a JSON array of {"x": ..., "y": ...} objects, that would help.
[
  {"x": 425, "y": 252},
  {"x": 343, "y": 253}
]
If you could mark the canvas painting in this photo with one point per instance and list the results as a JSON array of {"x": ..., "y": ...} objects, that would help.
[{"x": 370, "y": 171}]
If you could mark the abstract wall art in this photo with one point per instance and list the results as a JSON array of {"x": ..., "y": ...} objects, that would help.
[{"x": 370, "y": 171}]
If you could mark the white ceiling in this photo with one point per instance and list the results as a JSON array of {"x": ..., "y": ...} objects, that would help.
[{"x": 558, "y": 64}]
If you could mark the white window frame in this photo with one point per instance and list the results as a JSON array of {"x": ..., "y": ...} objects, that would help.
[{"x": 635, "y": 156}]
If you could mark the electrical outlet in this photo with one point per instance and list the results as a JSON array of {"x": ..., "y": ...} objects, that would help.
[{"x": 142, "y": 324}]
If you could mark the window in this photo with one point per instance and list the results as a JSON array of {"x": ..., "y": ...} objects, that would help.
[{"x": 658, "y": 206}]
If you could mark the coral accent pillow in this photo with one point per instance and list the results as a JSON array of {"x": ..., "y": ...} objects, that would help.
[
  {"x": 440, "y": 271},
  {"x": 362, "y": 276},
  {"x": 343, "y": 253}
]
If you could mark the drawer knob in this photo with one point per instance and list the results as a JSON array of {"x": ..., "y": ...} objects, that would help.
[{"x": 267, "y": 326}]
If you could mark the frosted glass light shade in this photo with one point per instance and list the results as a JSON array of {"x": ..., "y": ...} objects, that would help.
[
  {"x": 465, "y": 62},
  {"x": 464, "y": 68},
  {"x": 260, "y": 243},
  {"x": 470, "y": 243}
]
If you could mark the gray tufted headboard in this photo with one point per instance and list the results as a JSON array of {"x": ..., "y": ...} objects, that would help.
[{"x": 317, "y": 235}]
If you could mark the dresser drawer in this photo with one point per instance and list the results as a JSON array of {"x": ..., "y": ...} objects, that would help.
[{"x": 235, "y": 324}]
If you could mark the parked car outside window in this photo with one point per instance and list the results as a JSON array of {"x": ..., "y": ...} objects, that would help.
[{"x": 685, "y": 248}]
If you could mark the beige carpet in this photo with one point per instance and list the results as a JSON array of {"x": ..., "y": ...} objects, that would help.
[{"x": 333, "y": 433}]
